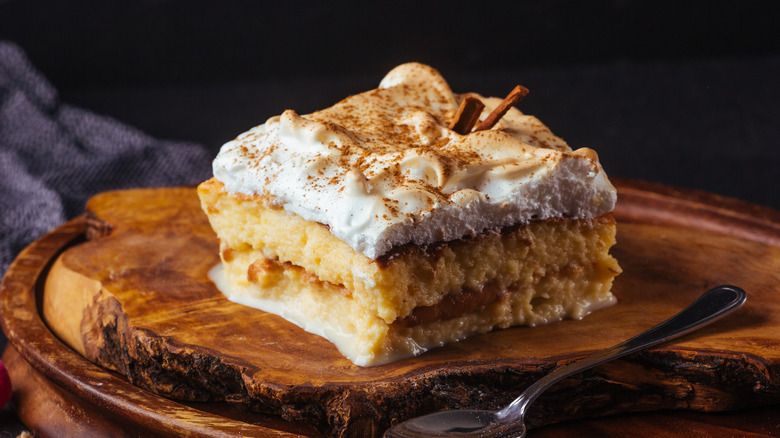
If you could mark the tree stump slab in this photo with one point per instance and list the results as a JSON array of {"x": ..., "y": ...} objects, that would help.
[{"x": 126, "y": 287}]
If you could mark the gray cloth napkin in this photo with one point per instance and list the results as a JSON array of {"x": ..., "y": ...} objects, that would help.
[{"x": 54, "y": 156}]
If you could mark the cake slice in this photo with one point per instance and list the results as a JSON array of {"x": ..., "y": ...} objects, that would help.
[{"x": 375, "y": 225}]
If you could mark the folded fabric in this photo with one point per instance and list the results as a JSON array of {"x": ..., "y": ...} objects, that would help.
[{"x": 54, "y": 156}]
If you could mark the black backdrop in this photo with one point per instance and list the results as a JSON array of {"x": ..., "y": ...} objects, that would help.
[
  {"x": 149, "y": 42},
  {"x": 682, "y": 93}
]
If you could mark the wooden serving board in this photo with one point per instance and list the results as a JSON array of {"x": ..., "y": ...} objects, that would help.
[{"x": 134, "y": 297}]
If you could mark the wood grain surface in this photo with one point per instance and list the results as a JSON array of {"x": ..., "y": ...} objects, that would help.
[{"x": 135, "y": 298}]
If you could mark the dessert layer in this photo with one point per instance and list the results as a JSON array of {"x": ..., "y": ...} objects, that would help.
[
  {"x": 411, "y": 276},
  {"x": 301, "y": 298},
  {"x": 381, "y": 169}
]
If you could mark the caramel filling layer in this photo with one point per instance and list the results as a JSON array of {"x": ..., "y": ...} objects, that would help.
[{"x": 451, "y": 306}]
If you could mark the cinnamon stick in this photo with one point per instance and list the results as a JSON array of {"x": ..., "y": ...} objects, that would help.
[
  {"x": 467, "y": 115},
  {"x": 517, "y": 94}
]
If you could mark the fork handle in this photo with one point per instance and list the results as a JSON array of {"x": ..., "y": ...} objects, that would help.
[{"x": 712, "y": 305}]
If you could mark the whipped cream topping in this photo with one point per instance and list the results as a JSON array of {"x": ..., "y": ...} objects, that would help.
[{"x": 382, "y": 169}]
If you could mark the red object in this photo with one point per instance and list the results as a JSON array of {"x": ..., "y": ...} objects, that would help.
[{"x": 5, "y": 385}]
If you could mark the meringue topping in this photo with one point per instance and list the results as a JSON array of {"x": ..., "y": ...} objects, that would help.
[{"x": 382, "y": 168}]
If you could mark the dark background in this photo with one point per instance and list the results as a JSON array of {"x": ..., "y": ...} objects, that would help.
[{"x": 681, "y": 93}]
